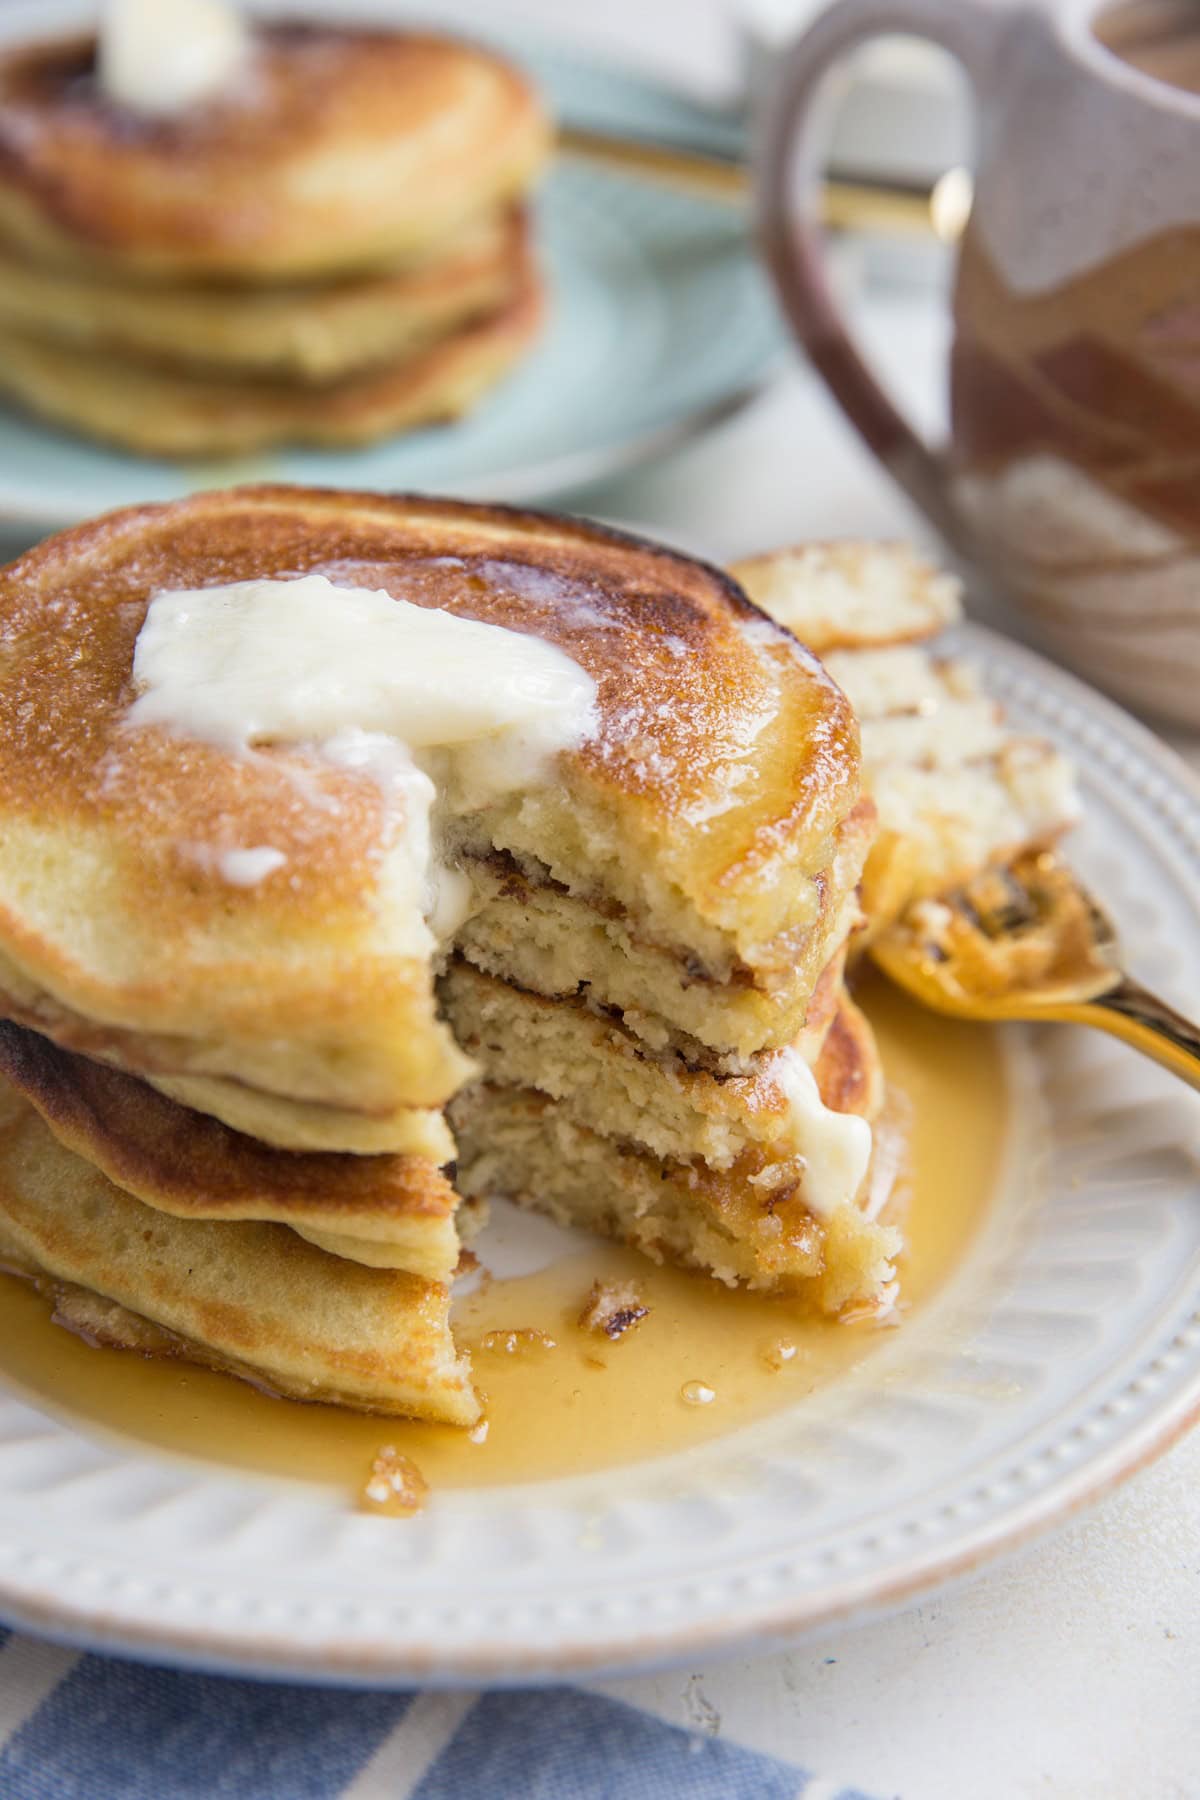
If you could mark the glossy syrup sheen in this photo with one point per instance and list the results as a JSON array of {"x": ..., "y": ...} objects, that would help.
[{"x": 586, "y": 1403}]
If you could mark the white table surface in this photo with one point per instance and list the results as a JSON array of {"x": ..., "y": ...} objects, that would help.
[{"x": 1073, "y": 1671}]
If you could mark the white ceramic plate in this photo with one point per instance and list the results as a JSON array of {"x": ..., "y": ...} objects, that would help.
[{"x": 1063, "y": 1354}]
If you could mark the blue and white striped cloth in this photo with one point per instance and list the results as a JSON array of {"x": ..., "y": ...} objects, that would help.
[{"x": 81, "y": 1727}]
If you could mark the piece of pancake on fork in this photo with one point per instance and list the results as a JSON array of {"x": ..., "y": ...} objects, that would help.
[
  {"x": 957, "y": 787},
  {"x": 269, "y": 965}
]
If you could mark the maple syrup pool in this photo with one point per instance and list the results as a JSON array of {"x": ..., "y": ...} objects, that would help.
[{"x": 705, "y": 1360}]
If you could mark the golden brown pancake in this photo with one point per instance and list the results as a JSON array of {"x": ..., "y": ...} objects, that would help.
[
  {"x": 315, "y": 331},
  {"x": 157, "y": 410},
  {"x": 392, "y": 1211},
  {"x": 847, "y": 1067},
  {"x": 307, "y": 1125},
  {"x": 340, "y": 150},
  {"x": 704, "y": 839},
  {"x": 253, "y": 1299},
  {"x": 713, "y": 815}
]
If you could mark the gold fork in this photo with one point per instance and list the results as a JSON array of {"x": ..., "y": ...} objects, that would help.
[{"x": 1027, "y": 941}]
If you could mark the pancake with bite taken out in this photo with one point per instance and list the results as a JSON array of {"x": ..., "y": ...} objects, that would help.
[{"x": 239, "y": 1007}]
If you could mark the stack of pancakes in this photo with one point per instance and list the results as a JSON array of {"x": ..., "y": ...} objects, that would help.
[
  {"x": 334, "y": 250},
  {"x": 232, "y": 1107}
]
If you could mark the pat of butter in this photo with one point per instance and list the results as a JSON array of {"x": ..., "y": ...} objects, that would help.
[
  {"x": 160, "y": 57},
  {"x": 299, "y": 661},
  {"x": 411, "y": 697},
  {"x": 836, "y": 1147}
]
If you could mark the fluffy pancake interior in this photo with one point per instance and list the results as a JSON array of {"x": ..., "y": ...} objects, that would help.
[
  {"x": 608, "y": 1079},
  {"x": 534, "y": 931},
  {"x": 745, "y": 1223},
  {"x": 955, "y": 785}
]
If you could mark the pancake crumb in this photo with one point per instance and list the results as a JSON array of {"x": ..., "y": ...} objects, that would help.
[
  {"x": 395, "y": 1486},
  {"x": 882, "y": 1309},
  {"x": 613, "y": 1308}
]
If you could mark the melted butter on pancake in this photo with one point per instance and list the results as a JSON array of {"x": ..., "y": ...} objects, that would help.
[
  {"x": 836, "y": 1146},
  {"x": 297, "y": 661},
  {"x": 160, "y": 57},
  {"x": 412, "y": 697}
]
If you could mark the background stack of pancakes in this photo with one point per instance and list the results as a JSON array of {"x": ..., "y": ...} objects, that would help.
[
  {"x": 227, "y": 1103},
  {"x": 336, "y": 249}
]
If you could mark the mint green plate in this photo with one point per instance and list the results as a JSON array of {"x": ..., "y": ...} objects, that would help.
[{"x": 661, "y": 324}]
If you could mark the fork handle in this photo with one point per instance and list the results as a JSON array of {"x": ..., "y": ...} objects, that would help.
[{"x": 1140, "y": 1018}]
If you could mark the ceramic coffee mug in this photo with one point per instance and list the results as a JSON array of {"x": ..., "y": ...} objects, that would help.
[{"x": 1073, "y": 468}]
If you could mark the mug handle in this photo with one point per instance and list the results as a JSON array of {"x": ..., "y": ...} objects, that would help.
[{"x": 790, "y": 232}]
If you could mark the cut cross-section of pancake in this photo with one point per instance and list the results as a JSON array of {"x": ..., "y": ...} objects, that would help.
[
  {"x": 343, "y": 149},
  {"x": 849, "y": 595},
  {"x": 538, "y": 932},
  {"x": 956, "y": 787},
  {"x": 610, "y": 1080},
  {"x": 790, "y": 1213}
]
